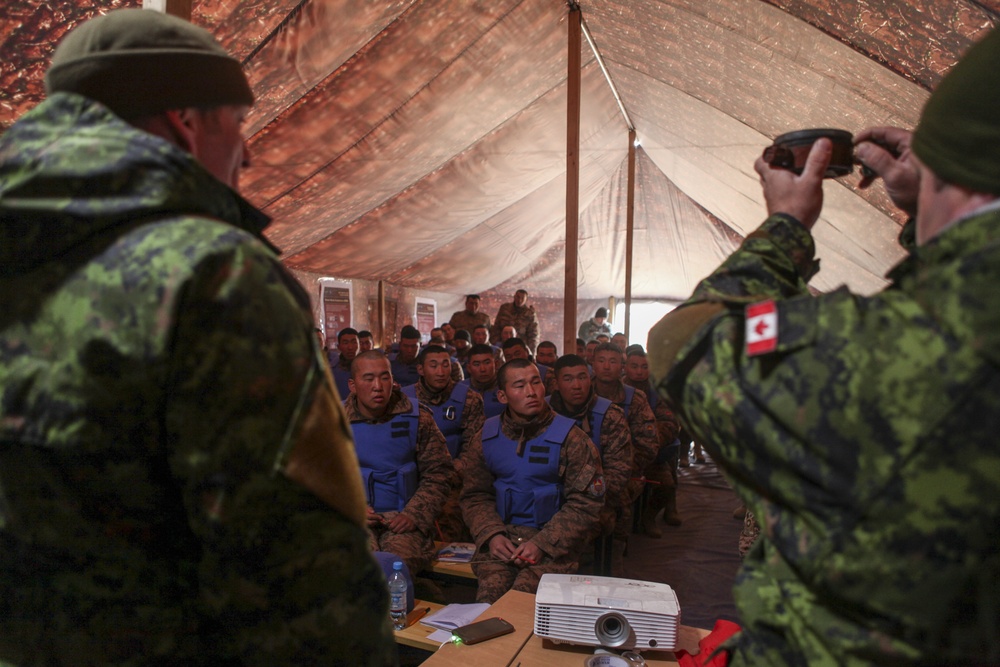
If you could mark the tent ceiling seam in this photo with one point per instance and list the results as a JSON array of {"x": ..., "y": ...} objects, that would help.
[{"x": 381, "y": 121}]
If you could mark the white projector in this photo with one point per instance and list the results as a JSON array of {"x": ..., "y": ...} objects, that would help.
[{"x": 606, "y": 611}]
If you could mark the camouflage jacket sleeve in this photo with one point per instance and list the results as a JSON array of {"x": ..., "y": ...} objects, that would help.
[
  {"x": 260, "y": 447},
  {"x": 478, "y": 499},
  {"x": 667, "y": 425},
  {"x": 472, "y": 425},
  {"x": 583, "y": 491},
  {"x": 530, "y": 334},
  {"x": 617, "y": 457},
  {"x": 857, "y": 441},
  {"x": 435, "y": 471},
  {"x": 645, "y": 437}
]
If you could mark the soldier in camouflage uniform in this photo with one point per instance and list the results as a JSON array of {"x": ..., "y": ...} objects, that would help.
[
  {"x": 519, "y": 315},
  {"x": 470, "y": 318},
  {"x": 177, "y": 481},
  {"x": 862, "y": 430},
  {"x": 458, "y": 413},
  {"x": 642, "y": 427},
  {"x": 406, "y": 469},
  {"x": 532, "y": 491},
  {"x": 661, "y": 474},
  {"x": 605, "y": 424},
  {"x": 483, "y": 378}
]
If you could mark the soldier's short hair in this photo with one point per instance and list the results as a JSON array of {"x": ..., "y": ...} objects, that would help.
[
  {"x": 480, "y": 348},
  {"x": 580, "y": 341},
  {"x": 430, "y": 349},
  {"x": 635, "y": 350},
  {"x": 513, "y": 364},
  {"x": 346, "y": 331},
  {"x": 364, "y": 333},
  {"x": 607, "y": 347},
  {"x": 480, "y": 326},
  {"x": 547, "y": 344},
  {"x": 370, "y": 354},
  {"x": 569, "y": 361},
  {"x": 473, "y": 296},
  {"x": 409, "y": 332},
  {"x": 513, "y": 342}
]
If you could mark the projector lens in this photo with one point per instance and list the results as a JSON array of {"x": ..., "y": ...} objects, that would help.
[{"x": 612, "y": 629}]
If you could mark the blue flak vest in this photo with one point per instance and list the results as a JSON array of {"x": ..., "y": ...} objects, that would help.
[
  {"x": 627, "y": 403},
  {"x": 403, "y": 374},
  {"x": 387, "y": 453},
  {"x": 596, "y": 419},
  {"x": 528, "y": 487},
  {"x": 447, "y": 415},
  {"x": 340, "y": 378},
  {"x": 491, "y": 404}
]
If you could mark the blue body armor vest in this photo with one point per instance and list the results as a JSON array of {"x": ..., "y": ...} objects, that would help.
[
  {"x": 491, "y": 404},
  {"x": 629, "y": 395},
  {"x": 340, "y": 378},
  {"x": 447, "y": 415},
  {"x": 596, "y": 419},
  {"x": 387, "y": 454},
  {"x": 528, "y": 488},
  {"x": 403, "y": 374}
]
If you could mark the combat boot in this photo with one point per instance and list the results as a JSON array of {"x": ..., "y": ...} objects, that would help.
[{"x": 670, "y": 515}]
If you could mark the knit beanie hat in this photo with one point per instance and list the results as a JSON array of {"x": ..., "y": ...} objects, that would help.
[
  {"x": 958, "y": 136},
  {"x": 139, "y": 62}
]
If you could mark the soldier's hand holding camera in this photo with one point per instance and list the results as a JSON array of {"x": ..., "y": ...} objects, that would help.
[
  {"x": 798, "y": 196},
  {"x": 886, "y": 151}
]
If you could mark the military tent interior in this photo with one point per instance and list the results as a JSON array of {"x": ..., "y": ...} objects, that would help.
[{"x": 421, "y": 145}]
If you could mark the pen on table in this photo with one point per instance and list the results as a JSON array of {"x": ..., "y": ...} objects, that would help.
[{"x": 416, "y": 615}]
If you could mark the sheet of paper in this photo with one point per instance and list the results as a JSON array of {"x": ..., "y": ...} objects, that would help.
[
  {"x": 440, "y": 636},
  {"x": 455, "y": 615}
]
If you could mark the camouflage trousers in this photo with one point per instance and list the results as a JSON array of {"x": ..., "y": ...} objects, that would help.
[
  {"x": 414, "y": 548},
  {"x": 450, "y": 524},
  {"x": 496, "y": 578}
]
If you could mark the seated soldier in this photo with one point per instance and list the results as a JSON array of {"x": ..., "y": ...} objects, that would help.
[
  {"x": 481, "y": 336},
  {"x": 347, "y": 348},
  {"x": 366, "y": 341},
  {"x": 483, "y": 378},
  {"x": 406, "y": 470},
  {"x": 404, "y": 361},
  {"x": 661, "y": 474},
  {"x": 642, "y": 426},
  {"x": 605, "y": 423},
  {"x": 545, "y": 359},
  {"x": 532, "y": 491},
  {"x": 458, "y": 413}
]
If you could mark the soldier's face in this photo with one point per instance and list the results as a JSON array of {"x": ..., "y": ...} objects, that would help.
[
  {"x": 448, "y": 331},
  {"x": 408, "y": 348},
  {"x": 436, "y": 370},
  {"x": 348, "y": 346},
  {"x": 515, "y": 352},
  {"x": 482, "y": 370},
  {"x": 637, "y": 369},
  {"x": 589, "y": 353},
  {"x": 480, "y": 336},
  {"x": 472, "y": 305},
  {"x": 573, "y": 384},
  {"x": 371, "y": 382},
  {"x": 619, "y": 341},
  {"x": 581, "y": 350},
  {"x": 507, "y": 332},
  {"x": 523, "y": 393},
  {"x": 520, "y": 298},
  {"x": 546, "y": 355},
  {"x": 608, "y": 366},
  {"x": 366, "y": 343},
  {"x": 218, "y": 141}
]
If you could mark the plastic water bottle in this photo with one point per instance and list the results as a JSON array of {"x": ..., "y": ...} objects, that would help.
[{"x": 397, "y": 596}]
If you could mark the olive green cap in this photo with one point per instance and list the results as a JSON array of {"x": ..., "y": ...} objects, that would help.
[
  {"x": 139, "y": 62},
  {"x": 958, "y": 136}
]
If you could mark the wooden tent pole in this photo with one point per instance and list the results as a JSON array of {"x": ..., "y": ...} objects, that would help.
[
  {"x": 381, "y": 314},
  {"x": 629, "y": 228},
  {"x": 178, "y": 8},
  {"x": 573, "y": 94}
]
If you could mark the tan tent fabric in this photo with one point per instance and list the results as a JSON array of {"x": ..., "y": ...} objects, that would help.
[{"x": 422, "y": 142}]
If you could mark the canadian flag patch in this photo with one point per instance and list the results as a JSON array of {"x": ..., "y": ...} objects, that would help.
[{"x": 762, "y": 328}]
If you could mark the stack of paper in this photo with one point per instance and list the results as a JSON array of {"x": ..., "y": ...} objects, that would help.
[{"x": 451, "y": 617}]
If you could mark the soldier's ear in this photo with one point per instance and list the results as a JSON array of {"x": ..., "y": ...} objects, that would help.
[
  {"x": 350, "y": 384},
  {"x": 501, "y": 396}
]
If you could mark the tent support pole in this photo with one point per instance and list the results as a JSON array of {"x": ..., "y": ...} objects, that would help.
[
  {"x": 381, "y": 314},
  {"x": 629, "y": 229},
  {"x": 573, "y": 94},
  {"x": 178, "y": 8}
]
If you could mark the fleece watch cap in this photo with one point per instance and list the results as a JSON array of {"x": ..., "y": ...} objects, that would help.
[
  {"x": 140, "y": 62},
  {"x": 958, "y": 136}
]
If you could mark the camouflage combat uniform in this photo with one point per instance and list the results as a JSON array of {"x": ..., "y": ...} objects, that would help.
[
  {"x": 615, "y": 447},
  {"x": 560, "y": 538},
  {"x": 661, "y": 474},
  {"x": 177, "y": 482},
  {"x": 864, "y": 444},
  {"x": 642, "y": 426},
  {"x": 435, "y": 474},
  {"x": 463, "y": 319},
  {"x": 523, "y": 319},
  {"x": 450, "y": 524}
]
